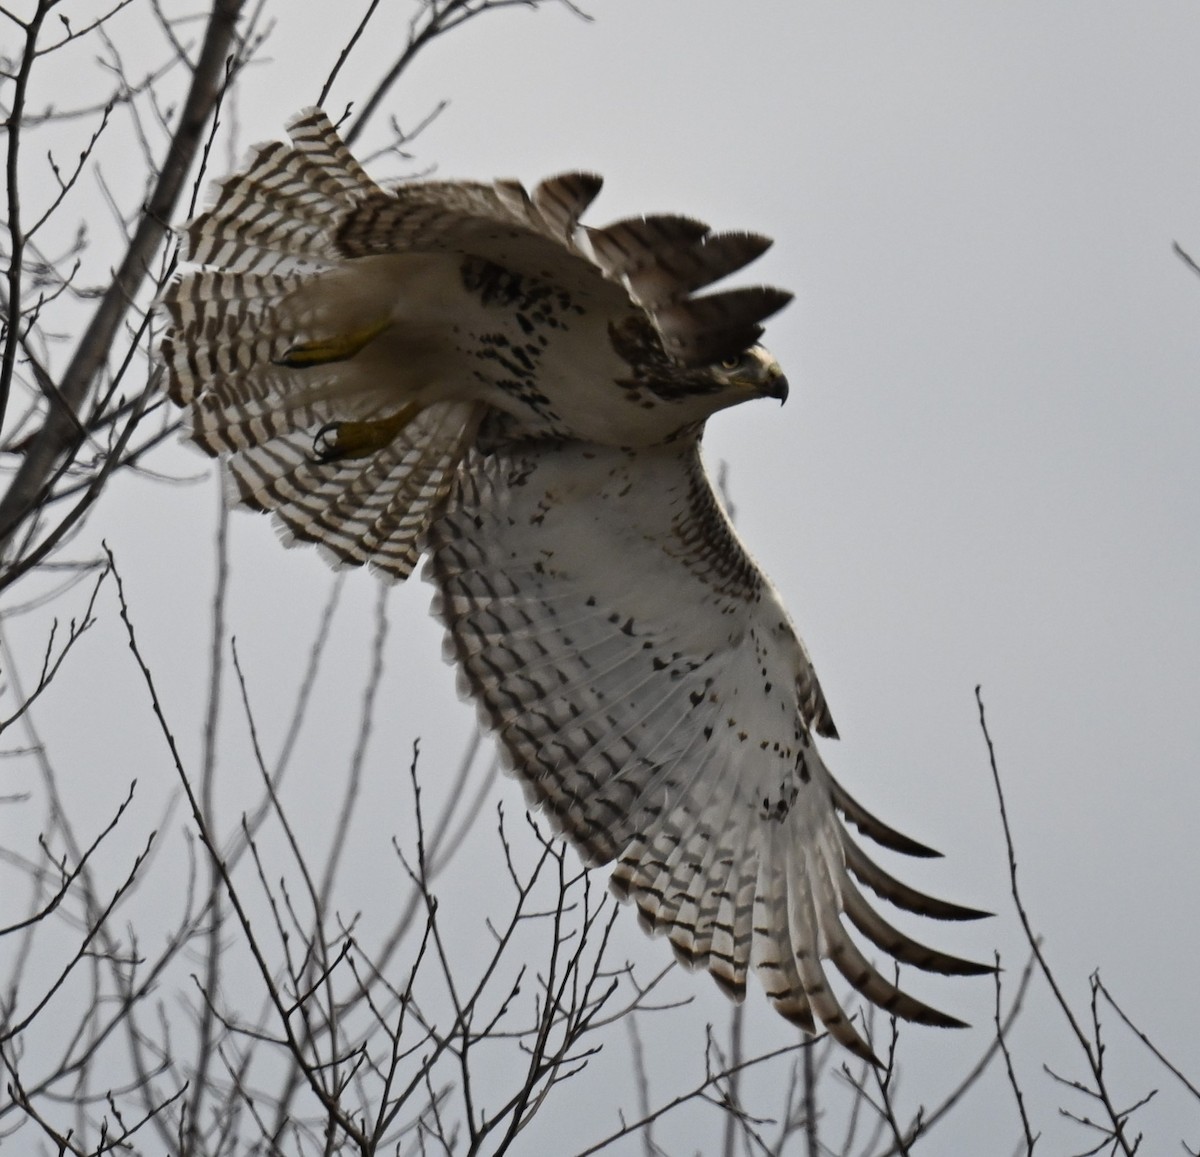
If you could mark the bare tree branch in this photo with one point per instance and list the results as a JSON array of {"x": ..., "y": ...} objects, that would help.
[{"x": 58, "y": 434}]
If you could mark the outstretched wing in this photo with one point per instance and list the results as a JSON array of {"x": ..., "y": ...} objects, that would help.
[{"x": 649, "y": 690}]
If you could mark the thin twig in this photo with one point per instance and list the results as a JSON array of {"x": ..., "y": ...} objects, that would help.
[{"x": 1094, "y": 1056}]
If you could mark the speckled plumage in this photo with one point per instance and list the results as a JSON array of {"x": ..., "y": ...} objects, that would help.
[
  {"x": 648, "y": 688},
  {"x": 464, "y": 369}
]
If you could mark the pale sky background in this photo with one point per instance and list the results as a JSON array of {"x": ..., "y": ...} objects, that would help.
[{"x": 988, "y": 472}]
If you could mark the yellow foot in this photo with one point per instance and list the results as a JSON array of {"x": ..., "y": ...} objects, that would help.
[
  {"x": 339, "y": 440},
  {"x": 340, "y": 347}
]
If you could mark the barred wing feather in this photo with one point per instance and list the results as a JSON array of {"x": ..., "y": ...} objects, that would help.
[
  {"x": 650, "y": 692},
  {"x": 360, "y": 512}
]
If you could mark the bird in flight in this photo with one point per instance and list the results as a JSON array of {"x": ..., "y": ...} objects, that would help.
[{"x": 463, "y": 370}]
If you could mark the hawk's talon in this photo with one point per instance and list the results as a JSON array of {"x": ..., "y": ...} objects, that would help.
[
  {"x": 325, "y": 443},
  {"x": 337, "y": 441},
  {"x": 341, "y": 347}
]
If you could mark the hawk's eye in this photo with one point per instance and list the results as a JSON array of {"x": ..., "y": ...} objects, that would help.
[{"x": 730, "y": 363}]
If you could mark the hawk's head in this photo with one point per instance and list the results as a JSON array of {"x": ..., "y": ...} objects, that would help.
[
  {"x": 751, "y": 374},
  {"x": 672, "y": 398},
  {"x": 693, "y": 394},
  {"x": 673, "y": 395}
]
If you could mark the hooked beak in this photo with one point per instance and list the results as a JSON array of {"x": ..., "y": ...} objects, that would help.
[{"x": 777, "y": 385}]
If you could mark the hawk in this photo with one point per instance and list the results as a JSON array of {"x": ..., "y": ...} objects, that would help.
[{"x": 463, "y": 370}]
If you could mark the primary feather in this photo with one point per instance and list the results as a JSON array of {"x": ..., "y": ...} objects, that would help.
[{"x": 645, "y": 682}]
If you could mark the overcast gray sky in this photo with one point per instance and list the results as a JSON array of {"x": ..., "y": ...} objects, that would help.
[{"x": 988, "y": 471}]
